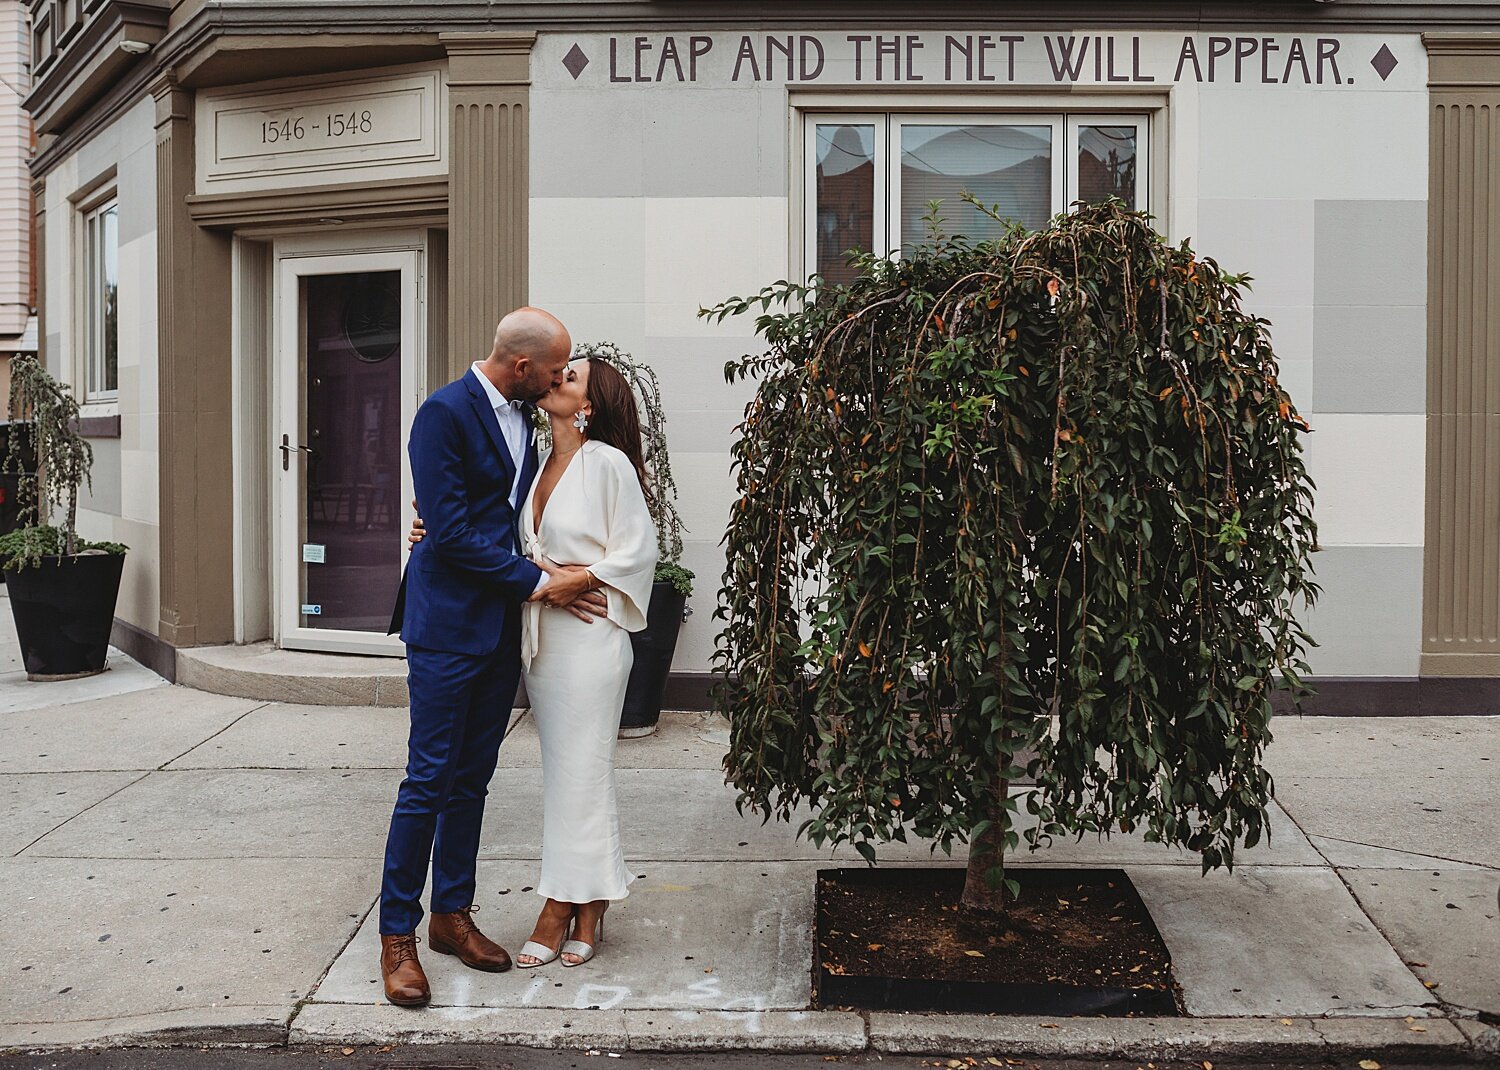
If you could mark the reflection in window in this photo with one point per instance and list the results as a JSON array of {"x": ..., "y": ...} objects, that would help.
[
  {"x": 845, "y": 214},
  {"x": 102, "y": 299},
  {"x": 1009, "y": 167},
  {"x": 1106, "y": 164}
]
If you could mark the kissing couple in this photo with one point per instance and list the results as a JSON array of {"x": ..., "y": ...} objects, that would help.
[{"x": 519, "y": 565}]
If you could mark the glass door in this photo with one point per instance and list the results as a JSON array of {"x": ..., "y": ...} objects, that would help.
[{"x": 347, "y": 374}]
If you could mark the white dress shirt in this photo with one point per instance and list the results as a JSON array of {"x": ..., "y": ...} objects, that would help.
[
  {"x": 517, "y": 435},
  {"x": 512, "y": 426}
]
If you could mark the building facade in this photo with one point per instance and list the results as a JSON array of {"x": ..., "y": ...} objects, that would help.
[{"x": 269, "y": 229}]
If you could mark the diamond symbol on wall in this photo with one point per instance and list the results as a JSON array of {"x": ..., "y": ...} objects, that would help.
[
  {"x": 1384, "y": 62},
  {"x": 576, "y": 61}
]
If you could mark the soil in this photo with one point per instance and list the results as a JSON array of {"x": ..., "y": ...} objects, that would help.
[{"x": 1083, "y": 928}]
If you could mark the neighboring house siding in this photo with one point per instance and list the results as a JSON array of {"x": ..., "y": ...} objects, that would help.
[{"x": 15, "y": 181}]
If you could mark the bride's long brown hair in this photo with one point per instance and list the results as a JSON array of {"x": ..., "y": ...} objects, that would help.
[{"x": 615, "y": 419}]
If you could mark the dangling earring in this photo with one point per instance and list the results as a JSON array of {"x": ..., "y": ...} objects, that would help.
[{"x": 581, "y": 421}]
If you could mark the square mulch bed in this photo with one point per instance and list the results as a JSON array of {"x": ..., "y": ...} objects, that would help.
[{"x": 1077, "y": 942}]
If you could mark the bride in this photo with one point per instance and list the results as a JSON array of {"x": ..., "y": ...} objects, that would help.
[{"x": 587, "y": 512}]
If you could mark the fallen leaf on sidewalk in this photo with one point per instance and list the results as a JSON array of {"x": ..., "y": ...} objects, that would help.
[
  {"x": 1368, "y": 1064},
  {"x": 348, "y": 1051},
  {"x": 1207, "y": 1065},
  {"x": 1419, "y": 1029},
  {"x": 1286, "y": 1021},
  {"x": 1431, "y": 984}
]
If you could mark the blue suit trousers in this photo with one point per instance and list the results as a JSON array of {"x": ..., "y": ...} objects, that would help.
[{"x": 460, "y": 707}]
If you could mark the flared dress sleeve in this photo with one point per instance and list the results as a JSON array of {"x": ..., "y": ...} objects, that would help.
[{"x": 628, "y": 567}]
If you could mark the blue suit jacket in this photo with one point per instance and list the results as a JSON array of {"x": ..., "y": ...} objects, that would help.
[{"x": 468, "y": 574}]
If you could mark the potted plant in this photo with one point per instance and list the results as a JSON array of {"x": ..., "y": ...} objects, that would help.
[
  {"x": 1041, "y": 495},
  {"x": 654, "y": 646},
  {"x": 62, "y": 587}
]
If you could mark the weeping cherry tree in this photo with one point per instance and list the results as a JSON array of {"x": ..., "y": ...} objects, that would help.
[{"x": 1038, "y": 498}]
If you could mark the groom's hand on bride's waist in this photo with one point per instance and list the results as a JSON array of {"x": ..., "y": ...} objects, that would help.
[{"x": 571, "y": 587}]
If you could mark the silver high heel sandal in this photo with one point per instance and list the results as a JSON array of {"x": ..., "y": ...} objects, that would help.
[
  {"x": 541, "y": 952},
  {"x": 584, "y": 951}
]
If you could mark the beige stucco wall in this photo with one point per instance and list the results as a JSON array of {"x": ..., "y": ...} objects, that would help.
[{"x": 124, "y": 504}]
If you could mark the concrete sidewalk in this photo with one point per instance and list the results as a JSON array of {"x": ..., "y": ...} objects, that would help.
[{"x": 190, "y": 867}]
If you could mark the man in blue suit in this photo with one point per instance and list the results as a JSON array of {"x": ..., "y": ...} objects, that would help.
[{"x": 458, "y": 611}]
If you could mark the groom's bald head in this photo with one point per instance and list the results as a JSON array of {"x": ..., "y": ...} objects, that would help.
[
  {"x": 530, "y": 332},
  {"x": 530, "y": 353}
]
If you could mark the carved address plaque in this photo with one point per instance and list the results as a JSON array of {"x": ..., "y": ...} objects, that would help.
[{"x": 323, "y": 132}]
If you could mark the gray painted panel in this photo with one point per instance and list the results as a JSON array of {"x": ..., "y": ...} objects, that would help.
[
  {"x": 587, "y": 143},
  {"x": 1369, "y": 619},
  {"x": 137, "y": 194},
  {"x": 1370, "y": 252},
  {"x": 98, "y": 154},
  {"x": 1271, "y": 239},
  {"x": 715, "y": 143},
  {"x": 630, "y": 143},
  {"x": 1370, "y": 359},
  {"x": 106, "y": 472}
]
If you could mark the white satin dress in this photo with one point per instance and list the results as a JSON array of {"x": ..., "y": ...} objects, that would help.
[{"x": 576, "y": 671}]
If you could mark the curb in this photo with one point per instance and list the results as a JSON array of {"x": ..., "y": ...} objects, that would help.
[
  {"x": 240, "y": 1026},
  {"x": 1166, "y": 1039},
  {"x": 842, "y": 1032},
  {"x": 789, "y": 1032}
]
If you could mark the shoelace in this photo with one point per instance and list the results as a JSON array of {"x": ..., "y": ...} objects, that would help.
[
  {"x": 403, "y": 949},
  {"x": 463, "y": 922}
]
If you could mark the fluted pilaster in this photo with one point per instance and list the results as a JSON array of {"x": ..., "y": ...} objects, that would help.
[
  {"x": 489, "y": 85},
  {"x": 1461, "y": 603}
]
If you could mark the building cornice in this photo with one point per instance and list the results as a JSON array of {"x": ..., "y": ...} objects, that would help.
[
  {"x": 318, "y": 34},
  {"x": 95, "y": 60},
  {"x": 1463, "y": 60},
  {"x": 361, "y": 202}
]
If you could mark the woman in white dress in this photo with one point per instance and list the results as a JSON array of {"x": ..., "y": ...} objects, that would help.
[{"x": 587, "y": 511}]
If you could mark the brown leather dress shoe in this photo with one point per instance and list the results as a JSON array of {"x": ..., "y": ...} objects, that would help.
[
  {"x": 405, "y": 982},
  {"x": 456, "y": 934}
]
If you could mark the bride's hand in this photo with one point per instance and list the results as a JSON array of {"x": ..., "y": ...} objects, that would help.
[
  {"x": 564, "y": 586},
  {"x": 418, "y": 530}
]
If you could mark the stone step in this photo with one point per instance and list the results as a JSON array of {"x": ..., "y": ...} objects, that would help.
[{"x": 305, "y": 678}]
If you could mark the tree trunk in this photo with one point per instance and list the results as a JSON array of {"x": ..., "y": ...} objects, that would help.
[
  {"x": 987, "y": 852},
  {"x": 70, "y": 546}
]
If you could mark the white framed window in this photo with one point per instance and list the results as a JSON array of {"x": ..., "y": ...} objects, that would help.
[
  {"x": 870, "y": 177},
  {"x": 100, "y": 301}
]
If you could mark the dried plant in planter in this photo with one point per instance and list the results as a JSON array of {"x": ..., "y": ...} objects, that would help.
[
  {"x": 662, "y": 499},
  {"x": 1042, "y": 494},
  {"x": 44, "y": 415}
]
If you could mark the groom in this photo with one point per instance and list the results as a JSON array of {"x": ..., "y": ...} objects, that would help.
[{"x": 473, "y": 460}]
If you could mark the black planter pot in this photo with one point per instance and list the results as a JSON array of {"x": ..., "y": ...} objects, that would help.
[
  {"x": 653, "y": 660},
  {"x": 64, "y": 611}
]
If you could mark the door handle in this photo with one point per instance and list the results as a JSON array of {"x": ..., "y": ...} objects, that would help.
[{"x": 287, "y": 449}]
